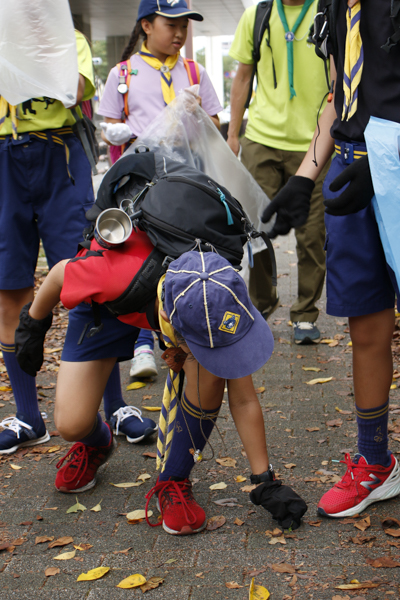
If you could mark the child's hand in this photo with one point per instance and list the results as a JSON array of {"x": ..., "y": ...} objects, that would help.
[
  {"x": 29, "y": 340},
  {"x": 116, "y": 133}
]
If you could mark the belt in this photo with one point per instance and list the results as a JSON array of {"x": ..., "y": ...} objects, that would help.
[
  {"x": 44, "y": 136},
  {"x": 350, "y": 151}
]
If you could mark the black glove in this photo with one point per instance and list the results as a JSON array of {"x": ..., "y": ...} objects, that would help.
[
  {"x": 29, "y": 340},
  {"x": 357, "y": 195},
  {"x": 291, "y": 205},
  {"x": 281, "y": 501}
]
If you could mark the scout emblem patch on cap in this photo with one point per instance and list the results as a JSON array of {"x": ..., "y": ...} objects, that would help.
[{"x": 208, "y": 304}]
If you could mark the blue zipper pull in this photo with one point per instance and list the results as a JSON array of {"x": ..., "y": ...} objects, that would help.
[{"x": 224, "y": 202}]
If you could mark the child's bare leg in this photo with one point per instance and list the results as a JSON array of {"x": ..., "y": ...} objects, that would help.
[
  {"x": 247, "y": 414},
  {"x": 80, "y": 388}
]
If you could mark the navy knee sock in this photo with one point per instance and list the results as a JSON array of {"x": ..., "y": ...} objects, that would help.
[
  {"x": 100, "y": 434},
  {"x": 180, "y": 461},
  {"x": 23, "y": 386},
  {"x": 373, "y": 434},
  {"x": 113, "y": 399}
]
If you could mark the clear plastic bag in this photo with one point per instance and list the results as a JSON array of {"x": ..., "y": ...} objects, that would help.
[
  {"x": 37, "y": 51},
  {"x": 185, "y": 133}
]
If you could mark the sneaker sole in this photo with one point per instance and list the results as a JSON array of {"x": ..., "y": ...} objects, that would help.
[
  {"x": 307, "y": 341},
  {"x": 143, "y": 373},
  {"x": 136, "y": 440},
  {"x": 389, "y": 489},
  {"x": 86, "y": 487},
  {"x": 187, "y": 530},
  {"x": 41, "y": 440}
]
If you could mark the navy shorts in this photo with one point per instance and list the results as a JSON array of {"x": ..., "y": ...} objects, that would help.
[
  {"x": 40, "y": 201},
  {"x": 116, "y": 339},
  {"x": 358, "y": 279}
]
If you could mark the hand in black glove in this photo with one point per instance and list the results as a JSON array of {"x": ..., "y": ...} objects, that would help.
[
  {"x": 29, "y": 340},
  {"x": 291, "y": 205},
  {"x": 281, "y": 501},
  {"x": 357, "y": 195}
]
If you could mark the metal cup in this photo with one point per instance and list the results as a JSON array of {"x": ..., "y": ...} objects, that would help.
[{"x": 113, "y": 227}]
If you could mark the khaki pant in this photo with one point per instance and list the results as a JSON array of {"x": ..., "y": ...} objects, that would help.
[{"x": 271, "y": 168}]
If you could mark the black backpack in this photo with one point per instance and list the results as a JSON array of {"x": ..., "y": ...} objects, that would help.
[
  {"x": 181, "y": 209},
  {"x": 261, "y": 24}
]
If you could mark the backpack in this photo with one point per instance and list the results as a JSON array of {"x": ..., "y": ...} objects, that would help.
[
  {"x": 261, "y": 24},
  {"x": 180, "y": 209},
  {"x": 125, "y": 73},
  {"x": 323, "y": 31},
  {"x": 85, "y": 130}
]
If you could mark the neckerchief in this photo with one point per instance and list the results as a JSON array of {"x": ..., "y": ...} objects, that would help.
[
  {"x": 166, "y": 424},
  {"x": 5, "y": 108},
  {"x": 289, "y": 36},
  {"x": 167, "y": 86},
  {"x": 353, "y": 60}
]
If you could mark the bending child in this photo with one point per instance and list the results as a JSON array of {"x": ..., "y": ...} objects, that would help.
[{"x": 203, "y": 309}]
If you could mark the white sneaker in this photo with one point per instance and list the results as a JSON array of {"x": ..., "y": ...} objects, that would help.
[{"x": 143, "y": 364}]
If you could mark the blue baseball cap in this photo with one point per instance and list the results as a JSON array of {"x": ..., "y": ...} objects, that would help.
[
  {"x": 207, "y": 303},
  {"x": 167, "y": 8}
]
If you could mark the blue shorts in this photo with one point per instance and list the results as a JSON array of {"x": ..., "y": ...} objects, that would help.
[
  {"x": 116, "y": 339},
  {"x": 40, "y": 201},
  {"x": 358, "y": 279}
]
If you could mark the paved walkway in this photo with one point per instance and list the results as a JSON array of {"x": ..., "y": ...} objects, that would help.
[{"x": 307, "y": 426}]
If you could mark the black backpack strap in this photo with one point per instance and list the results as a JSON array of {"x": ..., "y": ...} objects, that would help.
[
  {"x": 98, "y": 325},
  {"x": 255, "y": 234},
  {"x": 395, "y": 18},
  {"x": 81, "y": 132},
  {"x": 261, "y": 23}
]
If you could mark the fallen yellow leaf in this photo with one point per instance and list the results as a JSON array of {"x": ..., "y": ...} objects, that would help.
[
  {"x": 218, "y": 486},
  {"x": 136, "y": 385},
  {"x": 152, "y": 408},
  {"x": 76, "y": 507},
  {"x": 257, "y": 592},
  {"x": 260, "y": 390},
  {"x": 240, "y": 479},
  {"x": 51, "y": 350},
  {"x": 144, "y": 476},
  {"x": 97, "y": 508},
  {"x": 65, "y": 555},
  {"x": 350, "y": 343},
  {"x": 15, "y": 467},
  {"x": 5, "y": 388},
  {"x": 132, "y": 581},
  {"x": 327, "y": 341},
  {"x": 128, "y": 484},
  {"x": 138, "y": 514},
  {"x": 316, "y": 369},
  {"x": 393, "y": 386},
  {"x": 322, "y": 380},
  {"x": 93, "y": 574},
  {"x": 53, "y": 449},
  {"x": 226, "y": 462}
]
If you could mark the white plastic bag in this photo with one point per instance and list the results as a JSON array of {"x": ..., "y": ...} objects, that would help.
[
  {"x": 184, "y": 132},
  {"x": 37, "y": 51}
]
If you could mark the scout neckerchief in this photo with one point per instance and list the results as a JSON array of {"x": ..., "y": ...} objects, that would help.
[
  {"x": 353, "y": 59},
  {"x": 4, "y": 109},
  {"x": 167, "y": 87},
  {"x": 166, "y": 425},
  {"x": 289, "y": 36}
]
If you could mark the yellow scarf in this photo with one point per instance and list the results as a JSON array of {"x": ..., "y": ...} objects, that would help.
[
  {"x": 353, "y": 60},
  {"x": 5, "y": 108},
  {"x": 167, "y": 87}
]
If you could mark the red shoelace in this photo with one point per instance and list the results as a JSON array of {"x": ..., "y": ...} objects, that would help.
[
  {"x": 177, "y": 495},
  {"x": 79, "y": 454}
]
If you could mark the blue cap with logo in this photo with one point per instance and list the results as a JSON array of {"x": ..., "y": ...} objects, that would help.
[
  {"x": 208, "y": 304},
  {"x": 167, "y": 8}
]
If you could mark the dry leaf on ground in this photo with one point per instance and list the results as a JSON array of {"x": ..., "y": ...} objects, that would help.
[
  {"x": 283, "y": 568},
  {"x": 312, "y": 429},
  {"x": 289, "y": 466},
  {"x": 385, "y": 562},
  {"x": 215, "y": 522},
  {"x": 260, "y": 390},
  {"x": 150, "y": 454},
  {"x": 227, "y": 461},
  {"x": 144, "y": 477},
  {"x": 151, "y": 584},
  {"x": 93, "y": 574},
  {"x": 316, "y": 369},
  {"x": 62, "y": 541},
  {"x": 50, "y": 571},
  {"x": 277, "y": 540},
  {"x": 320, "y": 380},
  {"x": 218, "y": 486},
  {"x": 363, "y": 524},
  {"x": 83, "y": 547},
  {"x": 76, "y": 507},
  {"x": 334, "y": 423},
  {"x": 129, "y": 484},
  {"x": 238, "y": 522},
  {"x": 357, "y": 586},
  {"x": 41, "y": 539},
  {"x": 240, "y": 479},
  {"x": 15, "y": 467},
  {"x": 362, "y": 539},
  {"x": 258, "y": 592},
  {"x": 138, "y": 514},
  {"x": 132, "y": 581},
  {"x": 248, "y": 488},
  {"x": 65, "y": 555},
  {"x": 232, "y": 585},
  {"x": 152, "y": 408},
  {"x": 387, "y": 525},
  {"x": 136, "y": 385},
  {"x": 97, "y": 508}
]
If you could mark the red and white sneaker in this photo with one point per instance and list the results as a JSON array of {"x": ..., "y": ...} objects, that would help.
[
  {"x": 78, "y": 474},
  {"x": 361, "y": 485},
  {"x": 181, "y": 515}
]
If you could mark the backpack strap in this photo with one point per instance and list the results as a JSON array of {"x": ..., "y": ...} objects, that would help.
[
  {"x": 395, "y": 18},
  {"x": 193, "y": 71},
  {"x": 261, "y": 24}
]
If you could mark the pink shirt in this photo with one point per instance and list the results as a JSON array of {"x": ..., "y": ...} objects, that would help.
[{"x": 145, "y": 98}]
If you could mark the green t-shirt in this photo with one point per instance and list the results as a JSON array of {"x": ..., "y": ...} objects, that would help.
[
  {"x": 274, "y": 119},
  {"x": 39, "y": 114}
]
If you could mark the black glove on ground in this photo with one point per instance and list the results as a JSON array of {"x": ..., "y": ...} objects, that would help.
[
  {"x": 29, "y": 340},
  {"x": 291, "y": 205},
  {"x": 358, "y": 193},
  {"x": 281, "y": 501}
]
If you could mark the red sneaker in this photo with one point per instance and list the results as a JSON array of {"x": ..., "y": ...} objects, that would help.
[
  {"x": 361, "y": 485},
  {"x": 181, "y": 515},
  {"x": 78, "y": 475}
]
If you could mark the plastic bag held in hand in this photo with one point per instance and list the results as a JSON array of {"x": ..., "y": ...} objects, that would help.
[
  {"x": 358, "y": 192},
  {"x": 291, "y": 205},
  {"x": 116, "y": 133},
  {"x": 29, "y": 340},
  {"x": 281, "y": 501}
]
